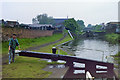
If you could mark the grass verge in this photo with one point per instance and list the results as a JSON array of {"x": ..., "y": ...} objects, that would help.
[
  {"x": 117, "y": 60},
  {"x": 112, "y": 38},
  {"x": 28, "y": 67},
  {"x": 48, "y": 49},
  {"x": 28, "y": 42}
]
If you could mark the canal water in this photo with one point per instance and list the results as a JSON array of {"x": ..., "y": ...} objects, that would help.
[{"x": 94, "y": 49}]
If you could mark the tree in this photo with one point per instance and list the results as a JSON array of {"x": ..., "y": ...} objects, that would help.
[
  {"x": 71, "y": 25},
  {"x": 43, "y": 19},
  {"x": 34, "y": 21},
  {"x": 98, "y": 27},
  {"x": 81, "y": 24},
  {"x": 89, "y": 25}
]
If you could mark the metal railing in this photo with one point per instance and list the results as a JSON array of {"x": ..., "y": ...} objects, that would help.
[{"x": 90, "y": 65}]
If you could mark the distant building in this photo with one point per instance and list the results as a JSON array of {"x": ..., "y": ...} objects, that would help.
[
  {"x": 59, "y": 23},
  {"x": 117, "y": 30},
  {"x": 60, "y": 20},
  {"x": 25, "y": 26},
  {"x": 12, "y": 23},
  {"x": 112, "y": 27},
  {"x": 41, "y": 26},
  {"x": 9, "y": 23}
]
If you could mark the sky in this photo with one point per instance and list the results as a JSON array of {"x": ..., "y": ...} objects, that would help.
[{"x": 90, "y": 11}]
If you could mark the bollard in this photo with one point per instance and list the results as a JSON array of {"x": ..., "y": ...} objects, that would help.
[{"x": 54, "y": 50}]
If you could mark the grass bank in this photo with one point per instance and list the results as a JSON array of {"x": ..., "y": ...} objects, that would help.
[
  {"x": 28, "y": 67},
  {"x": 48, "y": 49},
  {"x": 112, "y": 38},
  {"x": 28, "y": 42},
  {"x": 25, "y": 67},
  {"x": 117, "y": 60}
]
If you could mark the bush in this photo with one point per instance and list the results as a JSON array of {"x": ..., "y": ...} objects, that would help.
[{"x": 112, "y": 38}]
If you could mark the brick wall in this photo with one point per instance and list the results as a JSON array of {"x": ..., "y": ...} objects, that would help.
[{"x": 25, "y": 33}]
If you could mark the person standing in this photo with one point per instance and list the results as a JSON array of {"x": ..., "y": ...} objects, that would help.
[{"x": 12, "y": 46}]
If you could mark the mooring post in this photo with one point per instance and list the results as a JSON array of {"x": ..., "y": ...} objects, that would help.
[{"x": 54, "y": 50}]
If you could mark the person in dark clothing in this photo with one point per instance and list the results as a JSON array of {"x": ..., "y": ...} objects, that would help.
[{"x": 12, "y": 46}]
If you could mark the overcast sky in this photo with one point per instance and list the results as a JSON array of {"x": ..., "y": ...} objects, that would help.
[{"x": 90, "y": 11}]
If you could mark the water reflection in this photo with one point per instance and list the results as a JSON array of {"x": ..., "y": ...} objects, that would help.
[{"x": 95, "y": 49}]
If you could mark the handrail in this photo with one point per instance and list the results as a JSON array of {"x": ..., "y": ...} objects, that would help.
[
  {"x": 70, "y": 34},
  {"x": 90, "y": 65}
]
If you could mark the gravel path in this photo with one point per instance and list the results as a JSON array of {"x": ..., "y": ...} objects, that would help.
[
  {"x": 57, "y": 72},
  {"x": 40, "y": 46}
]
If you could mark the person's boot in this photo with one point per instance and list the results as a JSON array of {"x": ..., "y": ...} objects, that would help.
[{"x": 9, "y": 62}]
